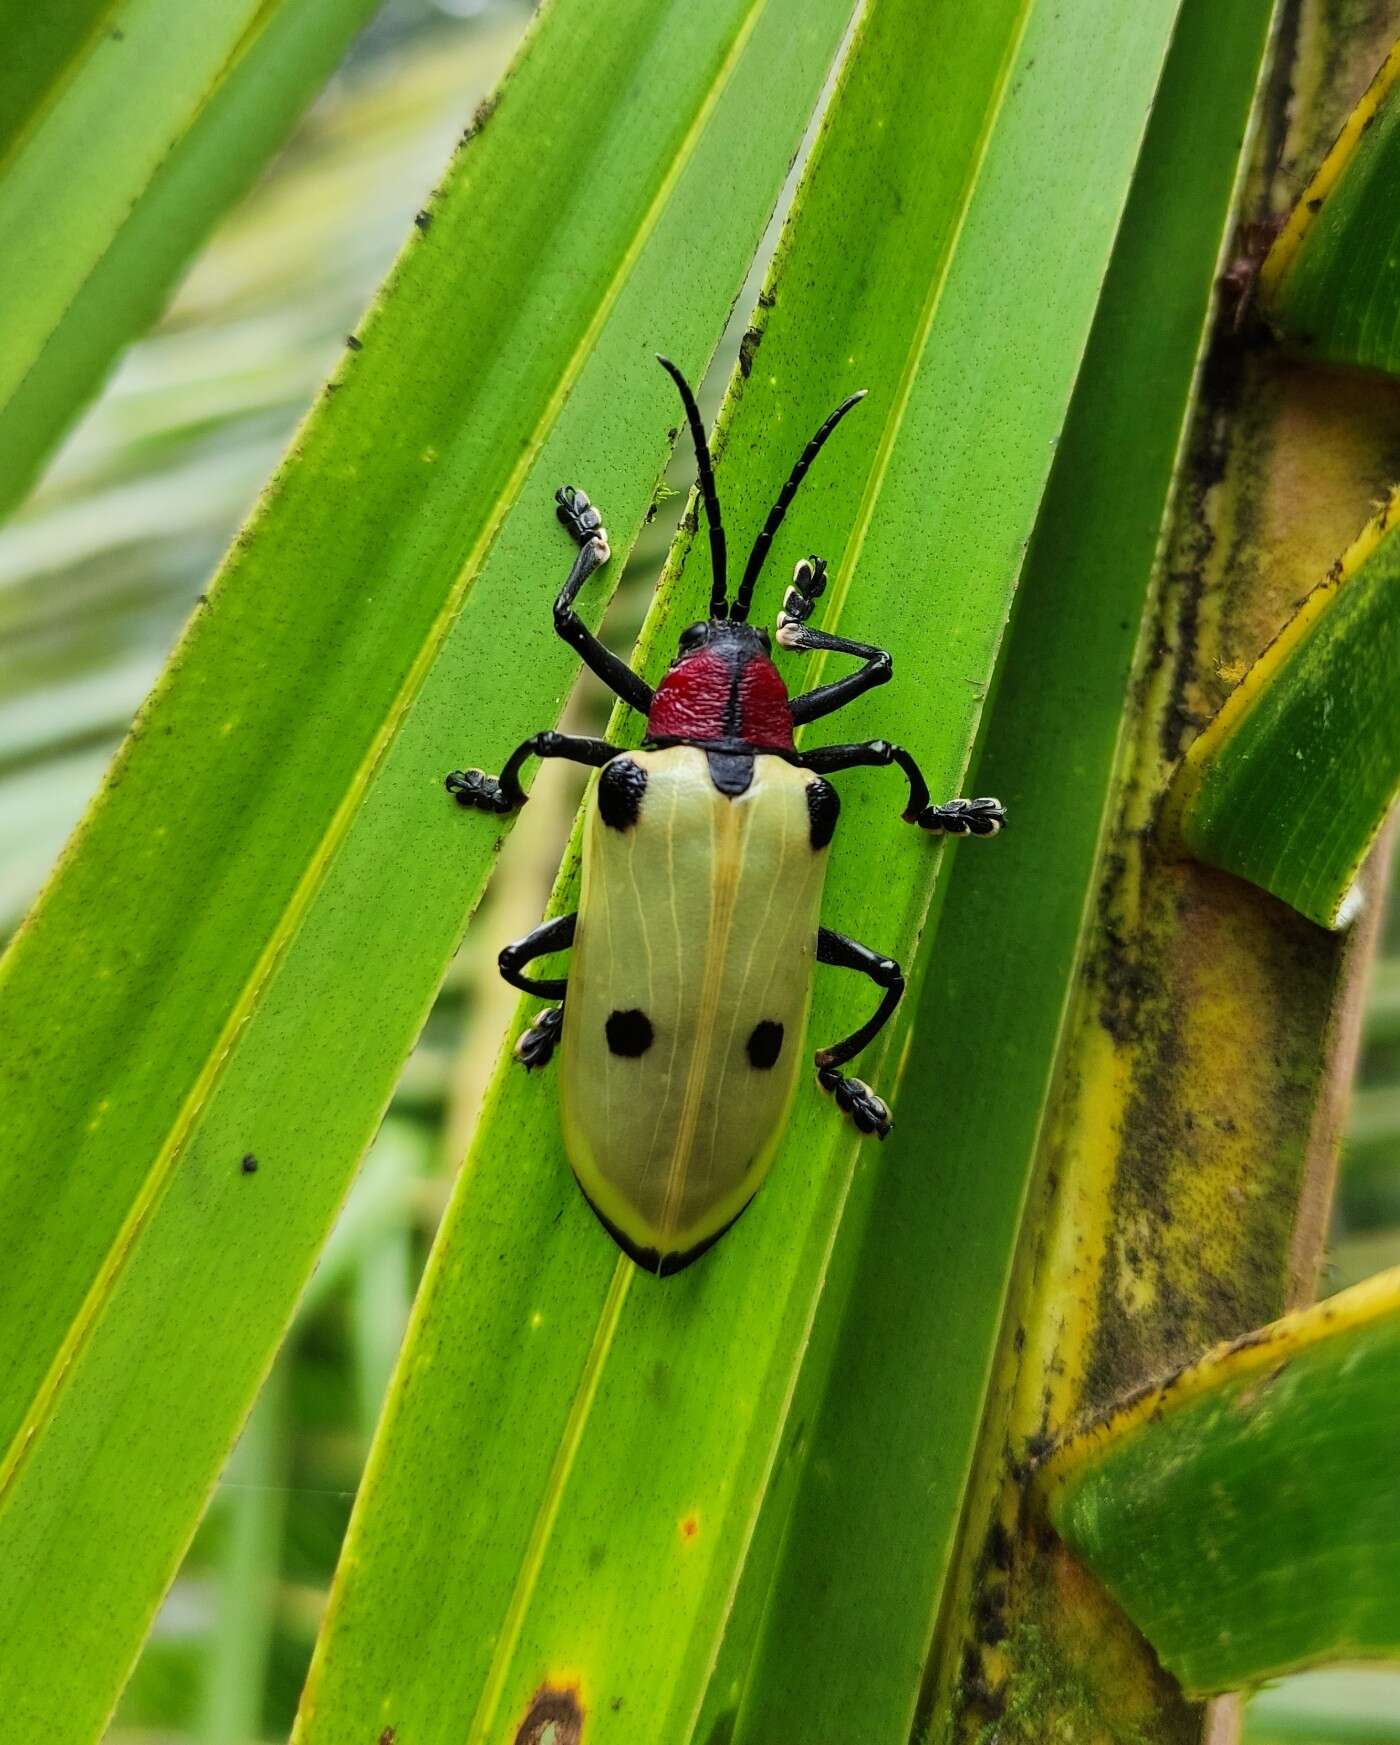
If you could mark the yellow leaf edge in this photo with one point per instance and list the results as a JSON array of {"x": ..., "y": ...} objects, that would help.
[
  {"x": 1288, "y": 241},
  {"x": 1375, "y": 1300},
  {"x": 1173, "y": 835}
]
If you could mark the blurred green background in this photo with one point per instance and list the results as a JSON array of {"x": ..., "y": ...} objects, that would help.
[{"x": 98, "y": 572}]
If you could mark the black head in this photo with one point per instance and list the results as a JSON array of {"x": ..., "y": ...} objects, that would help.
[
  {"x": 724, "y": 635},
  {"x": 722, "y": 610}
]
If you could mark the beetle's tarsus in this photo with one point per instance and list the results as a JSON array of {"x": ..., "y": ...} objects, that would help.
[
  {"x": 537, "y": 1044},
  {"x": 981, "y": 817},
  {"x": 867, "y": 1112},
  {"x": 808, "y": 585},
  {"x": 582, "y": 520},
  {"x": 474, "y": 789}
]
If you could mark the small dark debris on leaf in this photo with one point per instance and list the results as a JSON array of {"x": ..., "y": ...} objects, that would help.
[
  {"x": 388, "y": 1736},
  {"x": 999, "y": 1546},
  {"x": 484, "y": 111},
  {"x": 1038, "y": 1446},
  {"x": 353, "y": 343},
  {"x": 118, "y": 36},
  {"x": 991, "y": 1624},
  {"x": 423, "y": 220},
  {"x": 766, "y": 299},
  {"x": 748, "y": 346},
  {"x": 1237, "y": 282},
  {"x": 249, "y": 1165}
]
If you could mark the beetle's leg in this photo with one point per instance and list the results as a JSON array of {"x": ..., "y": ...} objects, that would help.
[
  {"x": 586, "y": 525},
  {"x": 981, "y": 817},
  {"x": 503, "y": 793},
  {"x": 808, "y": 582},
  {"x": 853, "y": 1096},
  {"x": 811, "y": 704},
  {"x": 537, "y": 1044}
]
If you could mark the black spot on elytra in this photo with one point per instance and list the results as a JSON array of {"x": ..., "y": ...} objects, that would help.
[
  {"x": 823, "y": 809},
  {"x": 620, "y": 790},
  {"x": 765, "y": 1044},
  {"x": 629, "y": 1033}
]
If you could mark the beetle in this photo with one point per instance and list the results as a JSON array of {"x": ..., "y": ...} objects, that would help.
[{"x": 698, "y": 925}]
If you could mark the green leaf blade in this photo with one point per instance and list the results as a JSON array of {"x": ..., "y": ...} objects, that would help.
[
  {"x": 241, "y": 943},
  {"x": 589, "y": 1524},
  {"x": 190, "y": 104},
  {"x": 1330, "y": 284},
  {"x": 1290, "y": 783},
  {"x": 1273, "y": 1459}
]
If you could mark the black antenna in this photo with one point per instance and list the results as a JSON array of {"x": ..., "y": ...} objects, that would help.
[
  {"x": 744, "y": 598},
  {"x": 720, "y": 582}
]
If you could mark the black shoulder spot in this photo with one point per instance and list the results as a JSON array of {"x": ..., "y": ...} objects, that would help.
[
  {"x": 620, "y": 790},
  {"x": 823, "y": 809},
  {"x": 765, "y": 1044},
  {"x": 629, "y": 1033}
]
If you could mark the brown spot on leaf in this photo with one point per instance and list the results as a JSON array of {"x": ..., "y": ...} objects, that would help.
[
  {"x": 555, "y": 1717},
  {"x": 690, "y": 1526},
  {"x": 388, "y": 1736}
]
